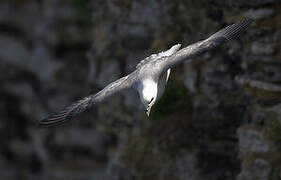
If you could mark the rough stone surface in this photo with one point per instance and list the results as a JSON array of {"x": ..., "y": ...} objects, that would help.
[
  {"x": 276, "y": 109},
  {"x": 13, "y": 51},
  {"x": 219, "y": 118},
  {"x": 261, "y": 48},
  {"x": 259, "y": 14},
  {"x": 252, "y": 141},
  {"x": 109, "y": 72},
  {"x": 259, "y": 170}
]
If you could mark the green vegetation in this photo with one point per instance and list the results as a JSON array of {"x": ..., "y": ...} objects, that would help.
[
  {"x": 175, "y": 98},
  {"x": 142, "y": 155},
  {"x": 80, "y": 4}
]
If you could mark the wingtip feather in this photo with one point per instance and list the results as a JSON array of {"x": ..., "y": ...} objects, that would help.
[
  {"x": 232, "y": 31},
  {"x": 49, "y": 122},
  {"x": 67, "y": 114}
]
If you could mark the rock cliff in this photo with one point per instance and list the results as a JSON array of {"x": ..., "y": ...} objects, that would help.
[{"x": 220, "y": 117}]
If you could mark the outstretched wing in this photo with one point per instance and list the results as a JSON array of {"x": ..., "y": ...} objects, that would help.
[
  {"x": 226, "y": 34},
  {"x": 82, "y": 105}
]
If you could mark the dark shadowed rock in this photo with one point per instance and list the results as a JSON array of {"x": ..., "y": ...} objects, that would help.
[
  {"x": 259, "y": 14},
  {"x": 218, "y": 119},
  {"x": 262, "y": 48},
  {"x": 258, "y": 170},
  {"x": 252, "y": 141},
  {"x": 109, "y": 72},
  {"x": 13, "y": 51}
]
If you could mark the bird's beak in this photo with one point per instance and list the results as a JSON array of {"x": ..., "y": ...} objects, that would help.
[{"x": 148, "y": 111}]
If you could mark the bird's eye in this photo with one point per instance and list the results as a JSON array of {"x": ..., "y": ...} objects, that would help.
[{"x": 151, "y": 100}]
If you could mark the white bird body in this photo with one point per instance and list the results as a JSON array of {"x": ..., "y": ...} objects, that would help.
[{"x": 150, "y": 91}]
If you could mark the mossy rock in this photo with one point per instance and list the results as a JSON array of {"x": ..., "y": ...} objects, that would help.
[{"x": 174, "y": 99}]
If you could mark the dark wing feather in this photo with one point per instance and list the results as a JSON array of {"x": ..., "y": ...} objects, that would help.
[
  {"x": 226, "y": 34},
  {"x": 82, "y": 105}
]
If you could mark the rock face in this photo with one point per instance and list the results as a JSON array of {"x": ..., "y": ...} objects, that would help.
[
  {"x": 260, "y": 169},
  {"x": 219, "y": 118}
]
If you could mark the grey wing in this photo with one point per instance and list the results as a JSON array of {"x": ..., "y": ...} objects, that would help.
[
  {"x": 226, "y": 34},
  {"x": 82, "y": 105},
  {"x": 152, "y": 57}
]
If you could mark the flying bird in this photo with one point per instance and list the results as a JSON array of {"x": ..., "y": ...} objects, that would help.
[{"x": 150, "y": 76}]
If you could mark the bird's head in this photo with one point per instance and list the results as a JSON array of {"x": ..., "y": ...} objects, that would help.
[{"x": 148, "y": 105}]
